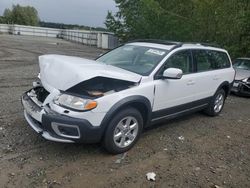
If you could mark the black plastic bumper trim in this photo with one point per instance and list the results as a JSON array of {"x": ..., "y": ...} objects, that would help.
[{"x": 89, "y": 133}]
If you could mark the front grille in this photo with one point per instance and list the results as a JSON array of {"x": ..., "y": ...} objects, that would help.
[
  {"x": 31, "y": 103},
  {"x": 41, "y": 93}
]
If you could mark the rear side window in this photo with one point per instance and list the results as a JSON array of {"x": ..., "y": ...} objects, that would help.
[
  {"x": 206, "y": 60},
  {"x": 202, "y": 61}
]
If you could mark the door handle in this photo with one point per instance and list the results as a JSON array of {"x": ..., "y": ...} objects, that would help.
[{"x": 190, "y": 82}]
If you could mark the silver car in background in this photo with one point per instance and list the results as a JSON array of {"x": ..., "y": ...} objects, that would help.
[{"x": 241, "y": 85}]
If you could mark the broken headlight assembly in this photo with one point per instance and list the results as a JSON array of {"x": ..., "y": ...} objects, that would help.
[{"x": 75, "y": 103}]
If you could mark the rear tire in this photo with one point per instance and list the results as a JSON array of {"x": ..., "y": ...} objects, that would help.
[
  {"x": 216, "y": 104},
  {"x": 123, "y": 131}
]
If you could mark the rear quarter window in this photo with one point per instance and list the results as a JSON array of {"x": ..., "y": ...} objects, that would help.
[{"x": 219, "y": 60}]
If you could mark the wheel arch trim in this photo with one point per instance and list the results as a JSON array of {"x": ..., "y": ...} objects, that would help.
[
  {"x": 224, "y": 84},
  {"x": 127, "y": 102}
]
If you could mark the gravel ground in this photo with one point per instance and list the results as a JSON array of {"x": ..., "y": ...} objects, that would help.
[{"x": 193, "y": 151}]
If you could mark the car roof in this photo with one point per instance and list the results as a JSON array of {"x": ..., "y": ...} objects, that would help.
[
  {"x": 171, "y": 45},
  {"x": 152, "y": 45}
]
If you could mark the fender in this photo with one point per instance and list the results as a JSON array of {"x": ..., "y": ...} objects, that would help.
[{"x": 126, "y": 102}]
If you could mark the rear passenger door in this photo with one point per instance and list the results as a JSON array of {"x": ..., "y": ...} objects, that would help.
[{"x": 209, "y": 67}]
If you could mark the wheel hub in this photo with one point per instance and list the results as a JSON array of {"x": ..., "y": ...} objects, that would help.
[
  {"x": 219, "y": 101},
  {"x": 125, "y": 132}
]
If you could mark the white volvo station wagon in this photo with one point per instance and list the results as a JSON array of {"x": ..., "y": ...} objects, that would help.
[{"x": 111, "y": 99}]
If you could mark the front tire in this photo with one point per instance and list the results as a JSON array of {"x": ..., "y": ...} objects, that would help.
[
  {"x": 123, "y": 131},
  {"x": 216, "y": 104}
]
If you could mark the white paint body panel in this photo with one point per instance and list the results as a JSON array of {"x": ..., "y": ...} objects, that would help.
[
  {"x": 62, "y": 72},
  {"x": 105, "y": 103},
  {"x": 242, "y": 74},
  {"x": 190, "y": 87},
  {"x": 173, "y": 92}
]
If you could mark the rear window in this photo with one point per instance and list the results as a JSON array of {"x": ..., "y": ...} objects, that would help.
[{"x": 210, "y": 60}]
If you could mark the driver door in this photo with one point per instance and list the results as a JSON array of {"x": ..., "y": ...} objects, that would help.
[{"x": 171, "y": 95}]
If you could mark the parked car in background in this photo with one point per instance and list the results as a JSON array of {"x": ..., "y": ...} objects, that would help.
[
  {"x": 241, "y": 84},
  {"x": 138, "y": 84}
]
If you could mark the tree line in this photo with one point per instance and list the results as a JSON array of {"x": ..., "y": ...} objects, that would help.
[
  {"x": 222, "y": 22},
  {"x": 20, "y": 15},
  {"x": 27, "y": 15},
  {"x": 69, "y": 26}
]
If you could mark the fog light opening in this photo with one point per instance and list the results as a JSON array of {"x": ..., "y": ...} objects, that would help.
[{"x": 67, "y": 131}]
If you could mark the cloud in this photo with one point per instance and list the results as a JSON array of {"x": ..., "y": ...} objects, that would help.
[{"x": 83, "y": 12}]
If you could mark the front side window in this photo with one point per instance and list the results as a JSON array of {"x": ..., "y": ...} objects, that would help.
[
  {"x": 138, "y": 59},
  {"x": 181, "y": 60}
]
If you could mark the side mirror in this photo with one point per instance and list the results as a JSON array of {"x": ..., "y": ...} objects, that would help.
[{"x": 172, "y": 73}]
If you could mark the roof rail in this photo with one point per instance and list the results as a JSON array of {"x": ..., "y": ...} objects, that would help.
[
  {"x": 157, "y": 41},
  {"x": 176, "y": 44},
  {"x": 204, "y": 44}
]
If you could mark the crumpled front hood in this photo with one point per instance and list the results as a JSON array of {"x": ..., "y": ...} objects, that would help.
[
  {"x": 63, "y": 72},
  {"x": 242, "y": 74}
]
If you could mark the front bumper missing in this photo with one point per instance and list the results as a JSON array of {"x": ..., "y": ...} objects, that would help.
[{"x": 48, "y": 124}]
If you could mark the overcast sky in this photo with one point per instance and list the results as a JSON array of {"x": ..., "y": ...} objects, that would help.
[{"x": 83, "y": 12}]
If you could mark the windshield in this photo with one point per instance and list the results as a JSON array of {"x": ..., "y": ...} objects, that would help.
[
  {"x": 242, "y": 64},
  {"x": 139, "y": 59}
]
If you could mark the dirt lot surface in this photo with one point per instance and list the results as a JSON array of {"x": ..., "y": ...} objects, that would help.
[{"x": 194, "y": 151}]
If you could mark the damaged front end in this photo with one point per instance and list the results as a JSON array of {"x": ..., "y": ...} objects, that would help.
[
  {"x": 65, "y": 104},
  {"x": 100, "y": 86},
  {"x": 241, "y": 87},
  {"x": 62, "y": 116},
  {"x": 38, "y": 115}
]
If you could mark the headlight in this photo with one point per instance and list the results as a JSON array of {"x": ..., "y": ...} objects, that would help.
[{"x": 76, "y": 103}]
